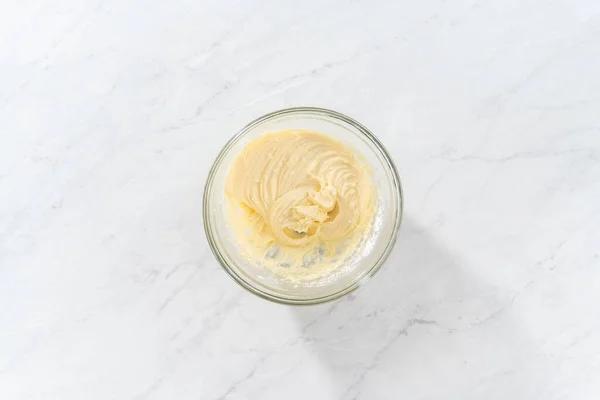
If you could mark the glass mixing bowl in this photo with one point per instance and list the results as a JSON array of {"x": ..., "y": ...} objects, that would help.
[{"x": 365, "y": 261}]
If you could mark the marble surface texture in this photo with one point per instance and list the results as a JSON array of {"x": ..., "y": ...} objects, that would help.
[{"x": 111, "y": 113}]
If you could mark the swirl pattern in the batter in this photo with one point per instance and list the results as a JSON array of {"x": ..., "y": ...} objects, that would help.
[{"x": 300, "y": 188}]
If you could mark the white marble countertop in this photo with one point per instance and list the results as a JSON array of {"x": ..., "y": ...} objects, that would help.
[{"x": 111, "y": 113}]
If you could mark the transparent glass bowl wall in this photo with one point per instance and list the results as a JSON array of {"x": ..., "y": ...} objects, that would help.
[{"x": 386, "y": 223}]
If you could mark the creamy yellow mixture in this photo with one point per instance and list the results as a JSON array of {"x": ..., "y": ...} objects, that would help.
[{"x": 299, "y": 189}]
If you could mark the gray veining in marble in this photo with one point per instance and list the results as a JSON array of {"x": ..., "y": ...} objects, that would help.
[{"x": 111, "y": 113}]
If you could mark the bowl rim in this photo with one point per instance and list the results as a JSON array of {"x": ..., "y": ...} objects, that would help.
[{"x": 208, "y": 226}]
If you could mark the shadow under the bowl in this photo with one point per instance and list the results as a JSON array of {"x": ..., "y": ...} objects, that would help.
[{"x": 409, "y": 311}]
